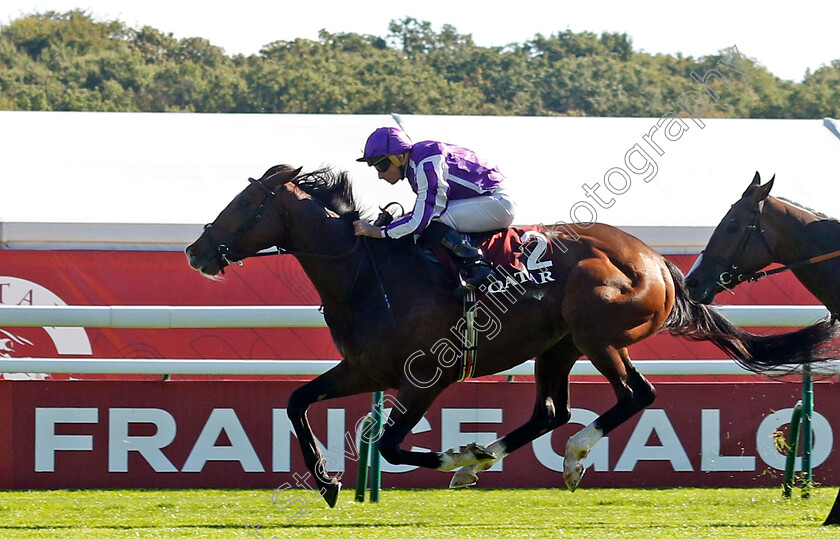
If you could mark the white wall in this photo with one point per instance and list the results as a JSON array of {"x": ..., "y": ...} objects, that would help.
[{"x": 139, "y": 180}]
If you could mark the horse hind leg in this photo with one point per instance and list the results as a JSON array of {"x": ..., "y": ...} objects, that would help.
[
  {"x": 551, "y": 410},
  {"x": 634, "y": 393}
]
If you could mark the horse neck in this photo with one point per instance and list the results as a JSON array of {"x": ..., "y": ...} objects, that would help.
[
  {"x": 325, "y": 248},
  {"x": 788, "y": 226},
  {"x": 801, "y": 235}
]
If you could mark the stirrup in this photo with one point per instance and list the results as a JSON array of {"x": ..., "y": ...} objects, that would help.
[
  {"x": 478, "y": 274},
  {"x": 472, "y": 274}
]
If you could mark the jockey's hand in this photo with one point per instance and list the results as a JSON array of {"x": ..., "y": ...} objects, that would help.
[{"x": 364, "y": 228}]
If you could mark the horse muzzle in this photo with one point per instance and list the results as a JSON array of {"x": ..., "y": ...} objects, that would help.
[
  {"x": 699, "y": 293},
  {"x": 207, "y": 261}
]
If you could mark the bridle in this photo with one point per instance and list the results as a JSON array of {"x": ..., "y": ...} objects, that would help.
[
  {"x": 229, "y": 256},
  {"x": 730, "y": 278},
  {"x": 223, "y": 251}
]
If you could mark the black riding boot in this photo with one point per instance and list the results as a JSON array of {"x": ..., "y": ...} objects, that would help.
[{"x": 470, "y": 259}]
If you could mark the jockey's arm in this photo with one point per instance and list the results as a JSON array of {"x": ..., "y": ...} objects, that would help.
[{"x": 432, "y": 196}]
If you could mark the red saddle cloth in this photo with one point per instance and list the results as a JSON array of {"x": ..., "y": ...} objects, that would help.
[{"x": 522, "y": 253}]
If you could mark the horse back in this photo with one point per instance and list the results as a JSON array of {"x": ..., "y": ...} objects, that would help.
[{"x": 573, "y": 244}]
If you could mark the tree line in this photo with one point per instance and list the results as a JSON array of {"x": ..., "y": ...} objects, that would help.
[{"x": 71, "y": 61}]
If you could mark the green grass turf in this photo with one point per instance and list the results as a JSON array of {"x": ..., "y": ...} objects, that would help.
[{"x": 506, "y": 513}]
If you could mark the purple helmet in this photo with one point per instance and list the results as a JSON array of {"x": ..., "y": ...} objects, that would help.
[{"x": 385, "y": 141}]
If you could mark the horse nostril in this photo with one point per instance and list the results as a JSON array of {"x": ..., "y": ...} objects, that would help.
[
  {"x": 691, "y": 283},
  {"x": 192, "y": 250}
]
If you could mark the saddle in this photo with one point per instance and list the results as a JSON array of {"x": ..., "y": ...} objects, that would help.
[{"x": 520, "y": 256}]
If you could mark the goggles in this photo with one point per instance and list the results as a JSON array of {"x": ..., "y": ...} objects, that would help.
[{"x": 382, "y": 165}]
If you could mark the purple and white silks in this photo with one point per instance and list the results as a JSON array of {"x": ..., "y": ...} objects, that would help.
[{"x": 441, "y": 174}]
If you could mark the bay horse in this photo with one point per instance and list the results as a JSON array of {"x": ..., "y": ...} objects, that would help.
[
  {"x": 759, "y": 230},
  {"x": 388, "y": 314}
]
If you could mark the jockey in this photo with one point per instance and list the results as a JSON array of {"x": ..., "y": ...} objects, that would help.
[{"x": 456, "y": 192}]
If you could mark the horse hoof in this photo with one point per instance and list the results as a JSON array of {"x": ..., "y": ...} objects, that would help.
[
  {"x": 330, "y": 492},
  {"x": 480, "y": 452},
  {"x": 463, "y": 479},
  {"x": 572, "y": 478}
]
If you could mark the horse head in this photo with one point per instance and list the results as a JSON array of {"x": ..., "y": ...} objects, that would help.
[
  {"x": 251, "y": 222},
  {"x": 738, "y": 246}
]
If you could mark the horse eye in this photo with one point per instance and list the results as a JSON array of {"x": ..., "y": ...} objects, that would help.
[{"x": 732, "y": 226}]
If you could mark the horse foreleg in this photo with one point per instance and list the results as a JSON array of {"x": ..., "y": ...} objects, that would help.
[
  {"x": 340, "y": 381},
  {"x": 634, "y": 393},
  {"x": 551, "y": 410}
]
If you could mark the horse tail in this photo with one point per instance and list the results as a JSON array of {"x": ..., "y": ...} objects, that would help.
[{"x": 772, "y": 355}]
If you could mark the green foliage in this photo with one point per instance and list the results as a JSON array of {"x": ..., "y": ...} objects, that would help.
[
  {"x": 819, "y": 95},
  {"x": 70, "y": 61}
]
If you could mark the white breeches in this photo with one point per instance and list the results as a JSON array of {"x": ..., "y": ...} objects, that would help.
[{"x": 480, "y": 214}]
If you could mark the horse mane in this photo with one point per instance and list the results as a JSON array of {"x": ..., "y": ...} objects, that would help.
[
  {"x": 330, "y": 188},
  {"x": 813, "y": 212}
]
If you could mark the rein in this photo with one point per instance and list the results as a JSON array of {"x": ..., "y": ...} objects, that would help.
[
  {"x": 346, "y": 254},
  {"x": 754, "y": 276}
]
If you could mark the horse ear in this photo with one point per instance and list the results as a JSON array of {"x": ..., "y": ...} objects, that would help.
[
  {"x": 764, "y": 190},
  {"x": 757, "y": 193},
  {"x": 756, "y": 181},
  {"x": 288, "y": 173}
]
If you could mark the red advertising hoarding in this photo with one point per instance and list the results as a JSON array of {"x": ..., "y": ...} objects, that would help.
[{"x": 233, "y": 434}]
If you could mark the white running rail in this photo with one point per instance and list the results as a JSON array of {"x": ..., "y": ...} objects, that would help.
[{"x": 161, "y": 316}]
